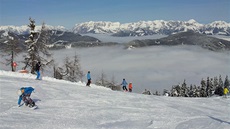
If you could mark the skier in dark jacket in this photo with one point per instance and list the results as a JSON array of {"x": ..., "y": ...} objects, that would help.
[
  {"x": 37, "y": 69},
  {"x": 24, "y": 94}
]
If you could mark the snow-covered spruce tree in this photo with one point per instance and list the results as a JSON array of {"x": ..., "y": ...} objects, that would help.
[
  {"x": 176, "y": 91},
  {"x": 208, "y": 90},
  {"x": 184, "y": 89},
  {"x": 173, "y": 92},
  {"x": 215, "y": 83},
  {"x": 221, "y": 84},
  {"x": 196, "y": 91},
  {"x": 212, "y": 89},
  {"x": 219, "y": 89},
  {"x": 226, "y": 82},
  {"x": 203, "y": 88},
  {"x": 71, "y": 70},
  {"x": 191, "y": 91},
  {"x": 10, "y": 49},
  {"x": 36, "y": 45}
]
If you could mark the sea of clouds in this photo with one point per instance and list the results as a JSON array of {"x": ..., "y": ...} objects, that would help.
[{"x": 153, "y": 68}]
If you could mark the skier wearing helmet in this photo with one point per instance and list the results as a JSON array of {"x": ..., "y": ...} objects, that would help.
[{"x": 24, "y": 94}]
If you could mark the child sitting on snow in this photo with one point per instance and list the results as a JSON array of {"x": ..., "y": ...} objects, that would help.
[{"x": 24, "y": 94}]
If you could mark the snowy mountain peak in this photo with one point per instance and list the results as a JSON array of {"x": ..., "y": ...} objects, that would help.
[
  {"x": 25, "y": 29},
  {"x": 151, "y": 27},
  {"x": 219, "y": 24},
  {"x": 192, "y": 21}
]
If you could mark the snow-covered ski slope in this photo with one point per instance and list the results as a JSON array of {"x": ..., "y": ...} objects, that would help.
[{"x": 66, "y": 105}]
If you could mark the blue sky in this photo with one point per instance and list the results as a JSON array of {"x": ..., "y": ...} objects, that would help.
[{"x": 70, "y": 12}]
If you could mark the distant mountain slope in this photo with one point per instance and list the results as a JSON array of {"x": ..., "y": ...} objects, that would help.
[
  {"x": 58, "y": 39},
  {"x": 185, "y": 38},
  {"x": 152, "y": 27}
]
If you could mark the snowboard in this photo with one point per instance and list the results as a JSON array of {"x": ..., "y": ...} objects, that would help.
[{"x": 34, "y": 107}]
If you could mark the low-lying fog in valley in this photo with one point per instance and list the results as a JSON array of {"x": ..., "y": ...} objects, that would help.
[
  {"x": 109, "y": 38},
  {"x": 153, "y": 68}
]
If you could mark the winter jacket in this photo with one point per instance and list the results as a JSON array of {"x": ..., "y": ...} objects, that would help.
[
  {"x": 124, "y": 83},
  {"x": 130, "y": 85},
  {"x": 25, "y": 91},
  {"x": 88, "y": 76},
  {"x": 226, "y": 91},
  {"x": 37, "y": 67}
]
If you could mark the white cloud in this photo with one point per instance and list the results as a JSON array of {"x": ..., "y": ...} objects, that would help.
[{"x": 153, "y": 68}]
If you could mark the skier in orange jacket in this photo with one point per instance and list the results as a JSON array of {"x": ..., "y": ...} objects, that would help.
[{"x": 130, "y": 87}]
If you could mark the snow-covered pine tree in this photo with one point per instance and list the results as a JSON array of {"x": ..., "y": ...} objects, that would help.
[
  {"x": 173, "y": 91},
  {"x": 191, "y": 91},
  {"x": 208, "y": 90},
  {"x": 196, "y": 91},
  {"x": 226, "y": 82},
  {"x": 10, "y": 49},
  {"x": 36, "y": 45},
  {"x": 184, "y": 89},
  {"x": 212, "y": 89},
  {"x": 221, "y": 84},
  {"x": 215, "y": 83},
  {"x": 203, "y": 88},
  {"x": 176, "y": 91},
  {"x": 219, "y": 89}
]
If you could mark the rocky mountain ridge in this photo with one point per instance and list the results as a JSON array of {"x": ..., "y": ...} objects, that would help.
[
  {"x": 143, "y": 28},
  {"x": 184, "y": 38},
  {"x": 58, "y": 39},
  {"x": 140, "y": 28}
]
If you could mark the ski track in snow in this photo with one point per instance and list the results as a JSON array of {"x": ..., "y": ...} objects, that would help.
[{"x": 67, "y": 105}]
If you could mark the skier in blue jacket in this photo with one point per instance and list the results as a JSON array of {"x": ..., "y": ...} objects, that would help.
[
  {"x": 24, "y": 94},
  {"x": 124, "y": 83},
  {"x": 88, "y": 78}
]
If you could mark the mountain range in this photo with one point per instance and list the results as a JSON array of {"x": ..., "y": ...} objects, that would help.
[
  {"x": 140, "y": 28},
  {"x": 180, "y": 32},
  {"x": 143, "y": 28},
  {"x": 59, "y": 38}
]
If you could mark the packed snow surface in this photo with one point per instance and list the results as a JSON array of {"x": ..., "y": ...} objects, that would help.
[{"x": 66, "y": 105}]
